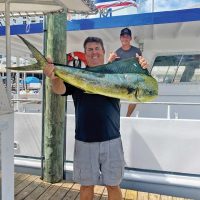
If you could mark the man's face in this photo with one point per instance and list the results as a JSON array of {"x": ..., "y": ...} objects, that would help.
[
  {"x": 125, "y": 39},
  {"x": 94, "y": 54}
]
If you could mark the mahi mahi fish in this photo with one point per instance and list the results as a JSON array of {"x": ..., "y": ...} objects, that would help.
[{"x": 123, "y": 79}]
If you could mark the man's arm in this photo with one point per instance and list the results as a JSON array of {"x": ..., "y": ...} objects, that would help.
[
  {"x": 58, "y": 86},
  {"x": 142, "y": 61}
]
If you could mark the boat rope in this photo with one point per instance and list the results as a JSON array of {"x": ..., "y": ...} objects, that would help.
[{"x": 28, "y": 25}]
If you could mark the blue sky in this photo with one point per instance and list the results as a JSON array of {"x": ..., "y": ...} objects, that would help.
[{"x": 163, "y": 5}]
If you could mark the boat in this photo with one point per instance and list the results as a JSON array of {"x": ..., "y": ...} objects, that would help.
[{"x": 161, "y": 139}]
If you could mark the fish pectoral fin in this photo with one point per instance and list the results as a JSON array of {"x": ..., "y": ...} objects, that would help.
[
  {"x": 130, "y": 90},
  {"x": 137, "y": 93},
  {"x": 87, "y": 92}
]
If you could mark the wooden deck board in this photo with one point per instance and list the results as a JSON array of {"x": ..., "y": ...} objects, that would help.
[
  {"x": 164, "y": 197},
  {"x": 143, "y": 196},
  {"x": 60, "y": 193},
  {"x": 50, "y": 191},
  {"x": 131, "y": 195},
  {"x": 123, "y": 193},
  {"x": 24, "y": 184},
  {"x": 154, "y": 196},
  {"x": 20, "y": 178},
  {"x": 71, "y": 195},
  {"x": 30, "y": 187},
  {"x": 38, "y": 191}
]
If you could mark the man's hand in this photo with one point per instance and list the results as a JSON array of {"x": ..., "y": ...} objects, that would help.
[
  {"x": 49, "y": 70},
  {"x": 113, "y": 56},
  {"x": 58, "y": 86},
  {"x": 142, "y": 61}
]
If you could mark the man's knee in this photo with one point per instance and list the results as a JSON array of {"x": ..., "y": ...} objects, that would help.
[
  {"x": 87, "y": 188},
  {"x": 87, "y": 192},
  {"x": 114, "y": 193},
  {"x": 112, "y": 188}
]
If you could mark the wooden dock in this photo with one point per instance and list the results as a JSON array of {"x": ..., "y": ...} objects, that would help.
[{"x": 31, "y": 187}]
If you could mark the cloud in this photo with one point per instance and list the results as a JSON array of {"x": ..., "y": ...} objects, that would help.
[{"x": 165, "y": 5}]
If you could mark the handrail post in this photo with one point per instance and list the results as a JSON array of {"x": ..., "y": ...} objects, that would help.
[{"x": 168, "y": 111}]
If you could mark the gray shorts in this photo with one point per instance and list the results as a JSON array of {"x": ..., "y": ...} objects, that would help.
[{"x": 99, "y": 163}]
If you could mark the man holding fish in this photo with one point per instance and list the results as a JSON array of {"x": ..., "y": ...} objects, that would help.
[{"x": 98, "y": 153}]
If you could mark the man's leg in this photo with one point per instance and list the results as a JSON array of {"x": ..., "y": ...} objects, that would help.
[
  {"x": 114, "y": 193},
  {"x": 87, "y": 192},
  {"x": 130, "y": 110},
  {"x": 86, "y": 168}
]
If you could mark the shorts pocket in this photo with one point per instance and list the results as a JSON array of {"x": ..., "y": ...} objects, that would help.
[
  {"x": 116, "y": 169},
  {"x": 76, "y": 174},
  {"x": 82, "y": 173}
]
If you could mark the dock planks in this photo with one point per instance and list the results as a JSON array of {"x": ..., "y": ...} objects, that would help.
[{"x": 30, "y": 187}]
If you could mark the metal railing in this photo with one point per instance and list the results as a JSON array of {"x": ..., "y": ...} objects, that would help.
[{"x": 137, "y": 112}]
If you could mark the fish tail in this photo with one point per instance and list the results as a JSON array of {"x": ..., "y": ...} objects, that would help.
[{"x": 41, "y": 60}]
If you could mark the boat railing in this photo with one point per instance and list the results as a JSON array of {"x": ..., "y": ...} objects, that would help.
[
  {"x": 167, "y": 104},
  {"x": 125, "y": 102},
  {"x": 28, "y": 105}
]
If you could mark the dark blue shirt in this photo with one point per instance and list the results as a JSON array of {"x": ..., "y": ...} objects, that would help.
[{"x": 97, "y": 116}]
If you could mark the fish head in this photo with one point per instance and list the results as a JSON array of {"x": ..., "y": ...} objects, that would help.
[
  {"x": 146, "y": 95},
  {"x": 148, "y": 90}
]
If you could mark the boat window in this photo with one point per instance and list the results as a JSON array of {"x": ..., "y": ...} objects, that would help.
[{"x": 177, "y": 68}]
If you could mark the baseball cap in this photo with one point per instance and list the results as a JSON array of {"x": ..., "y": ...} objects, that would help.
[{"x": 125, "y": 31}]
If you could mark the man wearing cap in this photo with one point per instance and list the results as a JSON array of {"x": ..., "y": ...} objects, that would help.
[{"x": 124, "y": 52}]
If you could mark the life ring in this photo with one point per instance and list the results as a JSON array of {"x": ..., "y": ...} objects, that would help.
[{"x": 76, "y": 59}]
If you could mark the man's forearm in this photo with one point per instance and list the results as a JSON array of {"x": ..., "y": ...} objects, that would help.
[{"x": 58, "y": 86}]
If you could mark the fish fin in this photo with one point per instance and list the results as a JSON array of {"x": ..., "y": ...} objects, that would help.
[
  {"x": 88, "y": 92},
  {"x": 41, "y": 60},
  {"x": 130, "y": 90},
  {"x": 26, "y": 68},
  {"x": 123, "y": 66},
  {"x": 137, "y": 93}
]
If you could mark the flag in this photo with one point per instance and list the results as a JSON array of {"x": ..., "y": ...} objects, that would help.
[{"x": 101, "y": 4}]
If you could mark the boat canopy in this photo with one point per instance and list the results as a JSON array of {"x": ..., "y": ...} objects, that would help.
[{"x": 36, "y": 7}]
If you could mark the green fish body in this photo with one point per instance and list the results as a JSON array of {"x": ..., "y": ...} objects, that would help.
[{"x": 124, "y": 79}]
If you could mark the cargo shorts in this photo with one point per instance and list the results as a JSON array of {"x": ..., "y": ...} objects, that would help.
[{"x": 99, "y": 163}]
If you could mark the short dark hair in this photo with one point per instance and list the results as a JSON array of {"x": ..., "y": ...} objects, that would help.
[{"x": 93, "y": 39}]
